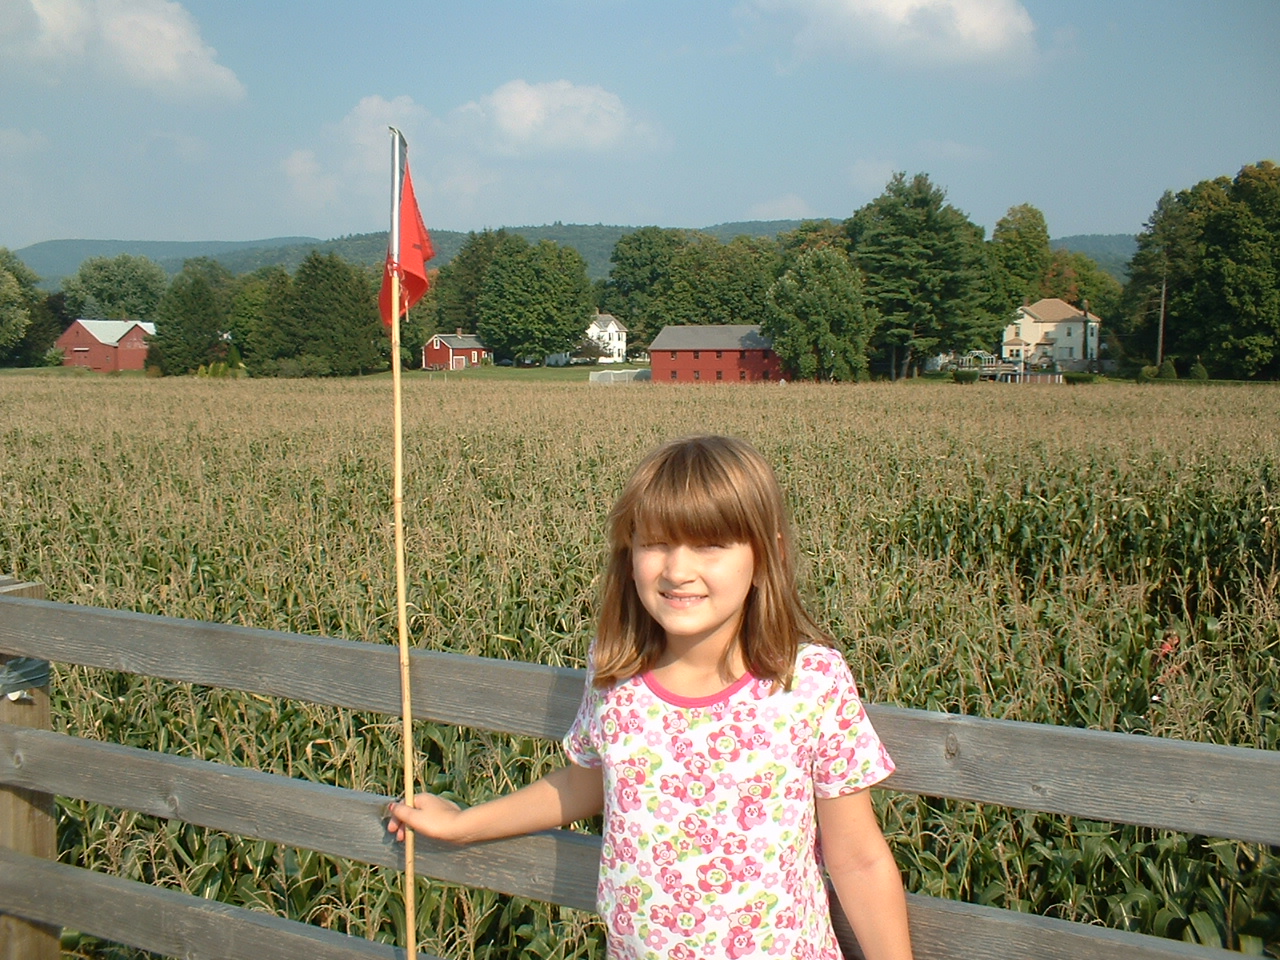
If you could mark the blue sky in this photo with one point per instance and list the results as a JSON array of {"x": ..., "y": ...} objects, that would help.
[{"x": 239, "y": 120}]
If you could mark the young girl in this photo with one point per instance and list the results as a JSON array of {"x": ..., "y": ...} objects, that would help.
[{"x": 720, "y": 733}]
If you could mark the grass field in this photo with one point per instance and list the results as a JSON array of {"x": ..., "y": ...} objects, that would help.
[{"x": 1100, "y": 556}]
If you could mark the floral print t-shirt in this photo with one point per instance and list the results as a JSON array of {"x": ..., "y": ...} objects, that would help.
[{"x": 710, "y": 846}]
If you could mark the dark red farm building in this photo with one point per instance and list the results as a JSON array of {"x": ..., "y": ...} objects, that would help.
[
  {"x": 732, "y": 352},
  {"x": 454, "y": 351},
  {"x": 106, "y": 345}
]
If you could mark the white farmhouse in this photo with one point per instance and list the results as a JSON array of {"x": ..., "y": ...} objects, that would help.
[
  {"x": 1052, "y": 331},
  {"x": 608, "y": 331}
]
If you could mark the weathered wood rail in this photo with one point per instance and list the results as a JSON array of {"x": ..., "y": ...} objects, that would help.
[{"x": 1225, "y": 792}]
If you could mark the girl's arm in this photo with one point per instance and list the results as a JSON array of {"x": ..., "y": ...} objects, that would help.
[
  {"x": 864, "y": 874},
  {"x": 558, "y": 799}
]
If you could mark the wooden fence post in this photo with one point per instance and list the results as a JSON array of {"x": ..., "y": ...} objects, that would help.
[{"x": 27, "y": 822}]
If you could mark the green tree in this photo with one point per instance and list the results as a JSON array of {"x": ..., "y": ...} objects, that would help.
[
  {"x": 812, "y": 235},
  {"x": 458, "y": 284},
  {"x": 116, "y": 288},
  {"x": 336, "y": 311},
  {"x": 640, "y": 280},
  {"x": 1214, "y": 248},
  {"x": 263, "y": 320},
  {"x": 18, "y": 298},
  {"x": 191, "y": 319},
  {"x": 925, "y": 270},
  {"x": 714, "y": 282},
  {"x": 817, "y": 319},
  {"x": 1076, "y": 278},
  {"x": 536, "y": 300},
  {"x": 1020, "y": 258}
]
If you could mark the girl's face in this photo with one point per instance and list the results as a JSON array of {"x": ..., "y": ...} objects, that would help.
[{"x": 696, "y": 593}]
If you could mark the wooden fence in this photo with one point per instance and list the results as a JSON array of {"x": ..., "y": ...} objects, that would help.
[{"x": 1225, "y": 792}]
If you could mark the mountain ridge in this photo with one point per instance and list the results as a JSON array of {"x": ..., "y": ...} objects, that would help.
[{"x": 53, "y": 260}]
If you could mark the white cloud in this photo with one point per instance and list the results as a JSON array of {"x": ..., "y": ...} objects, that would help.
[
  {"x": 310, "y": 184},
  {"x": 910, "y": 32},
  {"x": 509, "y": 150},
  {"x": 350, "y": 168},
  {"x": 954, "y": 150},
  {"x": 790, "y": 206},
  {"x": 14, "y": 143},
  {"x": 520, "y": 116},
  {"x": 154, "y": 45},
  {"x": 869, "y": 177}
]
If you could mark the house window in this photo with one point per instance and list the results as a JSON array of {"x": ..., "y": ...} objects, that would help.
[
  {"x": 1071, "y": 331},
  {"x": 697, "y": 354},
  {"x": 673, "y": 374},
  {"x": 742, "y": 354},
  {"x": 719, "y": 374},
  {"x": 1071, "y": 352},
  {"x": 766, "y": 374},
  {"x": 673, "y": 354},
  {"x": 742, "y": 374},
  {"x": 697, "y": 374},
  {"x": 719, "y": 354}
]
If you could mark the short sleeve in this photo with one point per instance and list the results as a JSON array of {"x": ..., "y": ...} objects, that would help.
[
  {"x": 848, "y": 755},
  {"x": 582, "y": 742}
]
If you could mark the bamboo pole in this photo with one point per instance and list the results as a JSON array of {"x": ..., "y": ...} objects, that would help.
[
  {"x": 27, "y": 822},
  {"x": 402, "y": 618}
]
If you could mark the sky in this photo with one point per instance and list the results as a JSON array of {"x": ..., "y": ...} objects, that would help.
[{"x": 243, "y": 120}]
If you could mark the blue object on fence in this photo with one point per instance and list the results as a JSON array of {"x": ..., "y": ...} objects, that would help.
[{"x": 21, "y": 674}]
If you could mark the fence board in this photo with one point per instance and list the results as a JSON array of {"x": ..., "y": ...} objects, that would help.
[
  {"x": 556, "y": 866},
  {"x": 1200, "y": 788},
  {"x": 167, "y": 921},
  {"x": 961, "y": 931},
  {"x": 534, "y": 700}
]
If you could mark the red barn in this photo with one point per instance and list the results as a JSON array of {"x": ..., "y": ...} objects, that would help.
[
  {"x": 454, "y": 351},
  {"x": 731, "y": 352},
  {"x": 106, "y": 344}
]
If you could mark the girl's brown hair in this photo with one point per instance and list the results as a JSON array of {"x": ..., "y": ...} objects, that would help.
[{"x": 701, "y": 490}]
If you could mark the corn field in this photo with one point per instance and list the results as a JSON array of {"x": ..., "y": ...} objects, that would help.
[{"x": 1104, "y": 556}]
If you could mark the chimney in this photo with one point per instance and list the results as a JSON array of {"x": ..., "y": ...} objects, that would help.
[{"x": 459, "y": 329}]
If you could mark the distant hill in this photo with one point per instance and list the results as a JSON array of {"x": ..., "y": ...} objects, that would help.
[
  {"x": 53, "y": 260},
  {"x": 1111, "y": 251}
]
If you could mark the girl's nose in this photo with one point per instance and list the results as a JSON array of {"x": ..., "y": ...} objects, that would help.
[{"x": 676, "y": 567}]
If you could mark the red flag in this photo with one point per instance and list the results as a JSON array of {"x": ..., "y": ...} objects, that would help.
[{"x": 408, "y": 253}]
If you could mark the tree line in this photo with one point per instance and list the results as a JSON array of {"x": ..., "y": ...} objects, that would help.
[{"x": 906, "y": 277}]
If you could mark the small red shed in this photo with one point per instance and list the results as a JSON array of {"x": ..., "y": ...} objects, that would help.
[
  {"x": 106, "y": 345},
  {"x": 454, "y": 351},
  {"x": 734, "y": 352}
]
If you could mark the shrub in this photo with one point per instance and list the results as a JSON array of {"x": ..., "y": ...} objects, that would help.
[
  {"x": 1167, "y": 370},
  {"x": 1147, "y": 374},
  {"x": 1198, "y": 371},
  {"x": 966, "y": 376},
  {"x": 1078, "y": 376}
]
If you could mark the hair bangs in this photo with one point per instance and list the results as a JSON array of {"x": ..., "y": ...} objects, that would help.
[{"x": 691, "y": 499}]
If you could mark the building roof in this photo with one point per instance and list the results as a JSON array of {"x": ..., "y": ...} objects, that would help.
[
  {"x": 602, "y": 320},
  {"x": 707, "y": 336},
  {"x": 111, "y": 332},
  {"x": 464, "y": 341},
  {"x": 1016, "y": 342},
  {"x": 1054, "y": 310}
]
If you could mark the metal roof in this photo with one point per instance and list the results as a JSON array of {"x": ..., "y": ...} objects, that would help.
[
  {"x": 113, "y": 331},
  {"x": 708, "y": 336}
]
